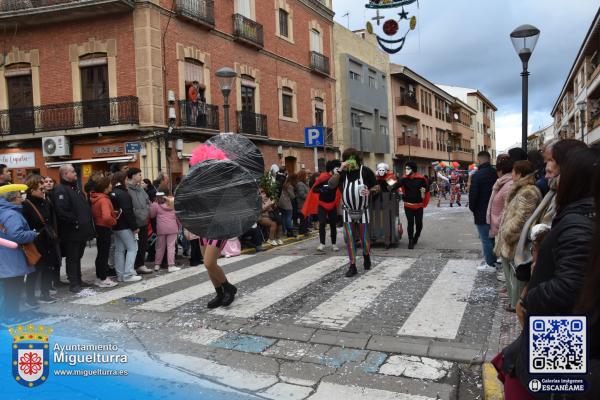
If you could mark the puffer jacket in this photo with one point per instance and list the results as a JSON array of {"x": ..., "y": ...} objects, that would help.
[
  {"x": 521, "y": 202},
  {"x": 141, "y": 204},
  {"x": 12, "y": 261},
  {"x": 497, "y": 202},
  {"x": 102, "y": 210},
  {"x": 166, "y": 221},
  {"x": 558, "y": 277}
]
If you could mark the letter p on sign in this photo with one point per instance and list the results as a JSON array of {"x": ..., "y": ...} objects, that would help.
[{"x": 314, "y": 136}]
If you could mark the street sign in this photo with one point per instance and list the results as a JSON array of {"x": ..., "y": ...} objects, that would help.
[
  {"x": 314, "y": 136},
  {"x": 133, "y": 147}
]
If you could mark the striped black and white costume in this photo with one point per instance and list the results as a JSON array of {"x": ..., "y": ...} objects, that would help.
[{"x": 353, "y": 203}]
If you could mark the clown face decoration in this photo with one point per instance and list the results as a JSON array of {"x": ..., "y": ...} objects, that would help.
[
  {"x": 382, "y": 169},
  {"x": 390, "y": 34}
]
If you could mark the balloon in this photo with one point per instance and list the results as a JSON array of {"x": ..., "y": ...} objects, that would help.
[{"x": 455, "y": 164}]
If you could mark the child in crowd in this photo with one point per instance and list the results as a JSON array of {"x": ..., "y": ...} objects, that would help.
[{"x": 167, "y": 228}]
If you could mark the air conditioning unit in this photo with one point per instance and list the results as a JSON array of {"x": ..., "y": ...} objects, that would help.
[{"x": 56, "y": 146}]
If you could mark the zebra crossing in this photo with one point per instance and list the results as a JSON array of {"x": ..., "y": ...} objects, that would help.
[{"x": 268, "y": 281}]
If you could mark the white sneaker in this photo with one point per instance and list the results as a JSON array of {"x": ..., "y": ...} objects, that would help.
[
  {"x": 157, "y": 268},
  {"x": 144, "y": 270},
  {"x": 273, "y": 242},
  {"x": 334, "y": 247},
  {"x": 173, "y": 268},
  {"x": 107, "y": 283},
  {"x": 321, "y": 247},
  {"x": 279, "y": 242},
  {"x": 486, "y": 268},
  {"x": 500, "y": 276},
  {"x": 132, "y": 278}
]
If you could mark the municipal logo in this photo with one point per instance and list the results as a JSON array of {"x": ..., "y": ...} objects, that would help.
[
  {"x": 535, "y": 385},
  {"x": 30, "y": 354}
]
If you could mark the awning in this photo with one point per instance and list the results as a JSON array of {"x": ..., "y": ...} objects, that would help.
[{"x": 91, "y": 160}]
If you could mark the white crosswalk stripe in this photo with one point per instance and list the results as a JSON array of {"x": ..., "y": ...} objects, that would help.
[
  {"x": 347, "y": 304},
  {"x": 174, "y": 300},
  {"x": 440, "y": 311},
  {"x": 250, "y": 304},
  {"x": 150, "y": 283}
]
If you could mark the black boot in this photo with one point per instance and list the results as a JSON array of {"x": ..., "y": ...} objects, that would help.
[
  {"x": 217, "y": 301},
  {"x": 229, "y": 293},
  {"x": 458, "y": 202},
  {"x": 351, "y": 271},
  {"x": 367, "y": 262},
  {"x": 411, "y": 243},
  {"x": 450, "y": 204},
  {"x": 415, "y": 240}
]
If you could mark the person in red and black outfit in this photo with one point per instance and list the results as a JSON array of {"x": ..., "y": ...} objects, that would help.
[{"x": 415, "y": 189}]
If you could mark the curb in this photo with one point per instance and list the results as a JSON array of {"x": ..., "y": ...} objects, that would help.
[
  {"x": 286, "y": 241},
  {"x": 492, "y": 387}
]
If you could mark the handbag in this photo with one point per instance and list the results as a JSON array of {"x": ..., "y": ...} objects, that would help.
[
  {"x": 32, "y": 255},
  {"x": 522, "y": 271},
  {"x": 50, "y": 232}
]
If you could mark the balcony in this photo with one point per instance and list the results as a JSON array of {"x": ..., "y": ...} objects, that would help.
[
  {"x": 196, "y": 115},
  {"x": 251, "y": 123},
  {"x": 37, "y": 12},
  {"x": 486, "y": 121},
  {"x": 409, "y": 141},
  {"x": 460, "y": 154},
  {"x": 487, "y": 140},
  {"x": 408, "y": 107},
  {"x": 319, "y": 63},
  {"x": 247, "y": 31},
  {"x": 201, "y": 12},
  {"x": 65, "y": 116},
  {"x": 462, "y": 129}
]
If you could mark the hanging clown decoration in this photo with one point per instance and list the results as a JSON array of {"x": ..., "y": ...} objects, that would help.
[{"x": 392, "y": 42}]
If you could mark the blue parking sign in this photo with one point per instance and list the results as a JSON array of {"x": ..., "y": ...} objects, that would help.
[{"x": 314, "y": 136}]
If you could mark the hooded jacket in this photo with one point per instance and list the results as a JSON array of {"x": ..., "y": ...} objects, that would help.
[
  {"x": 141, "y": 204},
  {"x": 166, "y": 220},
  {"x": 102, "y": 210},
  {"x": 73, "y": 213},
  {"x": 12, "y": 261},
  {"x": 521, "y": 202},
  {"x": 497, "y": 202}
]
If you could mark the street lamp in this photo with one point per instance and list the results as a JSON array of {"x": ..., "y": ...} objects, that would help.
[
  {"x": 449, "y": 147},
  {"x": 524, "y": 39},
  {"x": 226, "y": 77},
  {"x": 581, "y": 106}
]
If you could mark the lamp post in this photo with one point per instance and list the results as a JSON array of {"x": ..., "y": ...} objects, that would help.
[
  {"x": 226, "y": 77},
  {"x": 449, "y": 146},
  {"x": 524, "y": 39},
  {"x": 408, "y": 133},
  {"x": 581, "y": 106}
]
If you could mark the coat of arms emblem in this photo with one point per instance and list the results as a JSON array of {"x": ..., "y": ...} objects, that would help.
[{"x": 30, "y": 354}]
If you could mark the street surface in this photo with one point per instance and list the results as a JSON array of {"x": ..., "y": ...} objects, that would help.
[{"x": 416, "y": 326}]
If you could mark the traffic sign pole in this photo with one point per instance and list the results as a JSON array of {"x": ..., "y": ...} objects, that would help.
[{"x": 316, "y": 159}]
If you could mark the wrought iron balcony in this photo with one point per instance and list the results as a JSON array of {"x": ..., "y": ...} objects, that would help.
[
  {"x": 65, "y": 116},
  {"x": 198, "y": 115},
  {"x": 409, "y": 100},
  {"x": 319, "y": 63},
  {"x": 248, "y": 31},
  {"x": 251, "y": 123},
  {"x": 36, "y": 12},
  {"x": 200, "y": 11}
]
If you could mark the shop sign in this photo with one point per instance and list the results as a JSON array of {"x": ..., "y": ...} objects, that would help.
[
  {"x": 18, "y": 160},
  {"x": 133, "y": 147},
  {"x": 111, "y": 149},
  {"x": 86, "y": 170}
]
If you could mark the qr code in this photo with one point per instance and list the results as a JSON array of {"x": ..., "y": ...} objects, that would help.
[{"x": 557, "y": 345}]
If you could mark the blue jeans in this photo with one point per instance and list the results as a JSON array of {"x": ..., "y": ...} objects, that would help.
[
  {"x": 125, "y": 252},
  {"x": 288, "y": 226},
  {"x": 487, "y": 243}
]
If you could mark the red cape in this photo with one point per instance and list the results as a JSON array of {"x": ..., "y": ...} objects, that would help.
[
  {"x": 427, "y": 196},
  {"x": 311, "y": 204}
]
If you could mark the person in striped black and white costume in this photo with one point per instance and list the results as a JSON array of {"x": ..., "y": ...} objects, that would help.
[{"x": 356, "y": 183}]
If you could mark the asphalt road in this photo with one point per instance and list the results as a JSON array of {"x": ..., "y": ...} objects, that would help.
[{"x": 416, "y": 326}]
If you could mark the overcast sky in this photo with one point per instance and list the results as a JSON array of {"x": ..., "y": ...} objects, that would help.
[{"x": 466, "y": 43}]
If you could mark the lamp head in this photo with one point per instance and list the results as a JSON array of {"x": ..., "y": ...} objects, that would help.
[
  {"x": 226, "y": 77},
  {"x": 524, "y": 38}
]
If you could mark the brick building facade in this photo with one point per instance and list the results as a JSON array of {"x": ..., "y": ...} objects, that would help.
[{"x": 100, "y": 75}]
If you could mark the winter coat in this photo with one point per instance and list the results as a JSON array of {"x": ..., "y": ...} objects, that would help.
[
  {"x": 141, "y": 204},
  {"x": 46, "y": 245},
  {"x": 166, "y": 221},
  {"x": 301, "y": 193},
  {"x": 497, "y": 202},
  {"x": 123, "y": 203},
  {"x": 480, "y": 191},
  {"x": 285, "y": 200},
  {"x": 558, "y": 277},
  {"x": 12, "y": 261},
  {"x": 73, "y": 213},
  {"x": 103, "y": 210},
  {"x": 521, "y": 202}
]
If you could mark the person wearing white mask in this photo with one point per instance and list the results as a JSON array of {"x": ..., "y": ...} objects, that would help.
[
  {"x": 385, "y": 222},
  {"x": 416, "y": 197}
]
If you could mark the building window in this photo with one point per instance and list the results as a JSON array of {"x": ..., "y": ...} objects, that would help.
[
  {"x": 372, "y": 82},
  {"x": 355, "y": 120},
  {"x": 287, "y": 102},
  {"x": 244, "y": 7},
  {"x": 319, "y": 112},
  {"x": 283, "y": 23},
  {"x": 248, "y": 98},
  {"x": 354, "y": 76},
  {"x": 20, "y": 99},
  {"x": 315, "y": 41}
]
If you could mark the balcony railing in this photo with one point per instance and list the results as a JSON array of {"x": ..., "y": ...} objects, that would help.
[
  {"x": 406, "y": 141},
  {"x": 35, "y": 12},
  {"x": 64, "y": 116},
  {"x": 248, "y": 31},
  {"x": 201, "y": 11},
  {"x": 319, "y": 63},
  {"x": 251, "y": 123},
  {"x": 409, "y": 100},
  {"x": 198, "y": 115}
]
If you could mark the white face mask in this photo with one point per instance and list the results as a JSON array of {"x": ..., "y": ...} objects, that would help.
[
  {"x": 408, "y": 171},
  {"x": 381, "y": 172}
]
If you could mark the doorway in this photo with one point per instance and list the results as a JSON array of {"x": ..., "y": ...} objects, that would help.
[
  {"x": 94, "y": 95},
  {"x": 20, "y": 104}
]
